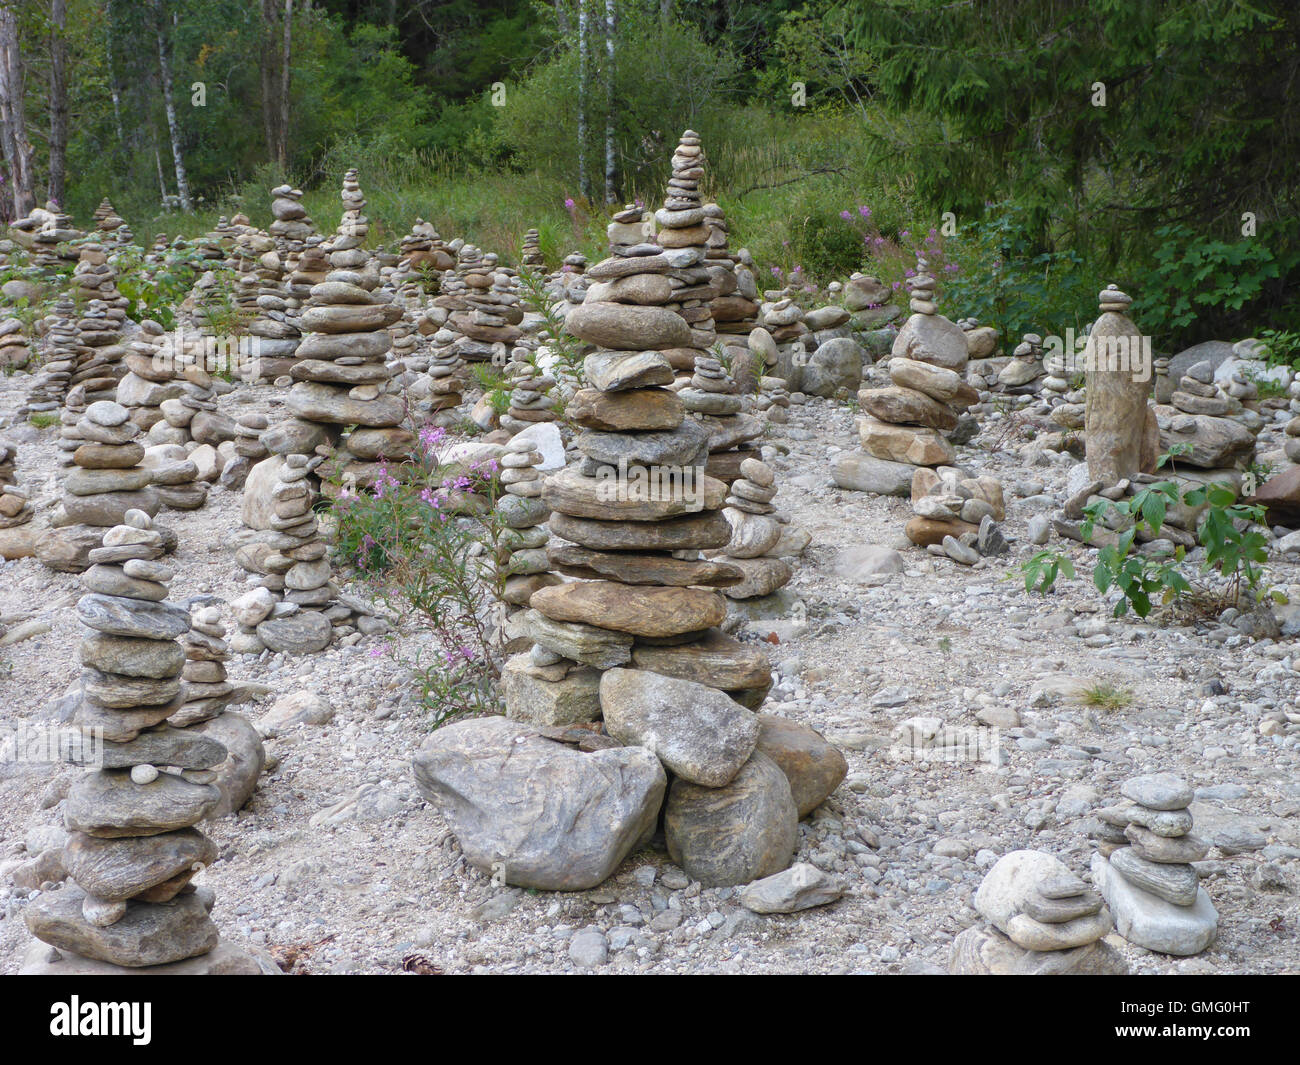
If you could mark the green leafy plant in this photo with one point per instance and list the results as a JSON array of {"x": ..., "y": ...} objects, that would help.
[
  {"x": 1281, "y": 347},
  {"x": 1042, "y": 570},
  {"x": 43, "y": 419},
  {"x": 536, "y": 294},
  {"x": 425, "y": 539},
  {"x": 1106, "y": 695}
]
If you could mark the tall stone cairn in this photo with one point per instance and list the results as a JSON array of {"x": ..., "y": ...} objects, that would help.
[
  {"x": 532, "y": 250},
  {"x": 346, "y": 247},
  {"x": 1121, "y": 429},
  {"x": 292, "y": 225},
  {"x": 133, "y": 848}
]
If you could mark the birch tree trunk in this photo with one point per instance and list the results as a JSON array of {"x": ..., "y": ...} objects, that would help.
[
  {"x": 584, "y": 92},
  {"x": 58, "y": 98},
  {"x": 13, "y": 116},
  {"x": 169, "y": 102},
  {"x": 282, "y": 153},
  {"x": 609, "y": 101},
  {"x": 113, "y": 91}
]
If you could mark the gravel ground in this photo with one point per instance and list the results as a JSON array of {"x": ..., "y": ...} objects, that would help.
[{"x": 338, "y": 866}]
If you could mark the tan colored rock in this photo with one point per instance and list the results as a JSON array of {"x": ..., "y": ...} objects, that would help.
[{"x": 641, "y": 611}]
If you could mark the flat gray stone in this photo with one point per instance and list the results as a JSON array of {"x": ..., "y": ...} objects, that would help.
[{"x": 1148, "y": 921}]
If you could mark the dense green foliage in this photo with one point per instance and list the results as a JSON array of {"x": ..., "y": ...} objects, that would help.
[{"x": 1152, "y": 143}]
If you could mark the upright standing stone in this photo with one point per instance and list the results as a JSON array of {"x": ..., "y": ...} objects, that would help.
[{"x": 1121, "y": 430}]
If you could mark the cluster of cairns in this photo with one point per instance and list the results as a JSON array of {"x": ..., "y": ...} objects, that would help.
[
  {"x": 15, "y": 510},
  {"x": 1040, "y": 920},
  {"x": 94, "y": 278},
  {"x": 48, "y": 234},
  {"x": 262, "y": 304},
  {"x": 569, "y": 283},
  {"x": 1143, "y": 867},
  {"x": 15, "y": 351},
  {"x": 1201, "y": 416},
  {"x": 133, "y": 850},
  {"x": 342, "y": 378},
  {"x": 483, "y": 312}
]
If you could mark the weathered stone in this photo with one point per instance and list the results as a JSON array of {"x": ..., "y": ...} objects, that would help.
[
  {"x": 303, "y": 633},
  {"x": 735, "y": 834},
  {"x": 906, "y": 406},
  {"x": 588, "y": 644},
  {"x": 863, "y": 473},
  {"x": 898, "y": 443},
  {"x": 627, "y": 567},
  {"x": 1148, "y": 921},
  {"x": 987, "y": 952},
  {"x": 123, "y": 868},
  {"x": 1176, "y": 883},
  {"x": 132, "y": 617},
  {"x": 108, "y": 804},
  {"x": 718, "y": 661},
  {"x": 633, "y": 498},
  {"x": 536, "y": 700},
  {"x": 703, "y": 531},
  {"x": 931, "y": 338},
  {"x": 801, "y": 887},
  {"x": 641, "y": 610},
  {"x": 237, "y": 774},
  {"x": 696, "y": 731},
  {"x": 812, "y": 765},
  {"x": 637, "y": 408},
  {"x": 628, "y": 328},
  {"x": 537, "y": 813}
]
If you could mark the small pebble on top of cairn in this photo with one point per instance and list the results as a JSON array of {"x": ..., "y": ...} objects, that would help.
[
  {"x": 1042, "y": 920},
  {"x": 1143, "y": 867},
  {"x": 133, "y": 848}
]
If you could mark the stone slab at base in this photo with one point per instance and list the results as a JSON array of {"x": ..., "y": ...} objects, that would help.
[
  {"x": 225, "y": 960},
  {"x": 1146, "y": 920}
]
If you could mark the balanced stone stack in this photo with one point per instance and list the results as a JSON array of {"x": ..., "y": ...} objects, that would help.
[
  {"x": 711, "y": 397},
  {"x": 756, "y": 532},
  {"x": 906, "y": 422},
  {"x": 446, "y": 375},
  {"x": 292, "y": 224},
  {"x": 1042, "y": 920},
  {"x": 1199, "y": 415},
  {"x": 734, "y": 307},
  {"x": 773, "y": 399},
  {"x": 1023, "y": 372},
  {"x": 109, "y": 478},
  {"x": 248, "y": 437},
  {"x": 207, "y": 689},
  {"x": 531, "y": 255},
  {"x": 346, "y": 246},
  {"x": 484, "y": 312},
  {"x": 288, "y": 555},
  {"x": 53, "y": 241},
  {"x": 424, "y": 253},
  {"x": 264, "y": 305},
  {"x": 61, "y": 353},
  {"x": 133, "y": 849},
  {"x": 1143, "y": 867},
  {"x": 152, "y": 378},
  {"x": 15, "y": 510},
  {"x": 530, "y": 401},
  {"x": 341, "y": 377},
  {"x": 95, "y": 278},
  {"x": 70, "y": 415},
  {"x": 306, "y": 268},
  {"x": 682, "y": 228},
  {"x": 99, "y": 341},
  {"x": 522, "y": 556},
  {"x": 955, "y": 515},
  {"x": 15, "y": 352},
  {"x": 110, "y": 223}
]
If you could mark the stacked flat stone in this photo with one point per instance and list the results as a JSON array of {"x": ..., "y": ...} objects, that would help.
[
  {"x": 306, "y": 268},
  {"x": 1041, "y": 920},
  {"x": 15, "y": 352},
  {"x": 70, "y": 436},
  {"x": 287, "y": 553},
  {"x": 523, "y": 544},
  {"x": 133, "y": 848},
  {"x": 530, "y": 401},
  {"x": 152, "y": 378},
  {"x": 773, "y": 399},
  {"x": 489, "y": 316},
  {"x": 955, "y": 515},
  {"x": 292, "y": 225},
  {"x": 532, "y": 250},
  {"x": 53, "y": 241},
  {"x": 569, "y": 283},
  {"x": 782, "y": 317},
  {"x": 346, "y": 246},
  {"x": 263, "y": 303},
  {"x": 422, "y": 250},
  {"x": 100, "y": 350},
  {"x": 1143, "y": 867},
  {"x": 906, "y": 422},
  {"x": 341, "y": 377},
  {"x": 1203, "y": 415},
  {"x": 712, "y": 398},
  {"x": 756, "y": 531},
  {"x": 248, "y": 437},
  {"x": 94, "y": 277},
  {"x": 15, "y": 510}
]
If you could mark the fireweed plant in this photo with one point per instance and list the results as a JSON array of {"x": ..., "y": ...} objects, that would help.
[{"x": 427, "y": 540}]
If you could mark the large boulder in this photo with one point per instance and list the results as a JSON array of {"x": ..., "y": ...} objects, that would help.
[
  {"x": 932, "y": 338},
  {"x": 535, "y": 812},
  {"x": 834, "y": 367}
]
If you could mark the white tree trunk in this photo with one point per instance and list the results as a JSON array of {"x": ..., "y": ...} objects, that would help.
[
  {"x": 173, "y": 127},
  {"x": 609, "y": 101},
  {"x": 13, "y": 116},
  {"x": 584, "y": 80}
]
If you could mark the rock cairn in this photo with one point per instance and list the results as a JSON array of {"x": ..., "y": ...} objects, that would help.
[
  {"x": 1023, "y": 371},
  {"x": 346, "y": 246},
  {"x": 681, "y": 227},
  {"x": 15, "y": 352},
  {"x": 61, "y": 356},
  {"x": 99, "y": 343},
  {"x": 292, "y": 224},
  {"x": 906, "y": 422},
  {"x": 756, "y": 532},
  {"x": 341, "y": 377},
  {"x": 15, "y": 510},
  {"x": 530, "y": 399},
  {"x": 522, "y": 555},
  {"x": 1143, "y": 867},
  {"x": 109, "y": 478},
  {"x": 1199, "y": 414},
  {"x": 1042, "y": 920},
  {"x": 425, "y": 254},
  {"x": 773, "y": 399},
  {"x": 531, "y": 255},
  {"x": 287, "y": 555},
  {"x": 1121, "y": 428},
  {"x": 956, "y": 515},
  {"x": 207, "y": 687},
  {"x": 110, "y": 223},
  {"x": 133, "y": 849},
  {"x": 94, "y": 277},
  {"x": 734, "y": 307}
]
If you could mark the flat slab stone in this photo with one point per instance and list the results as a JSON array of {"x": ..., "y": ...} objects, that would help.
[
  {"x": 628, "y": 567},
  {"x": 987, "y": 952},
  {"x": 1148, "y": 921},
  {"x": 652, "y": 497},
  {"x": 225, "y": 959},
  {"x": 122, "y": 868},
  {"x": 639, "y": 610},
  {"x": 703, "y": 531}
]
